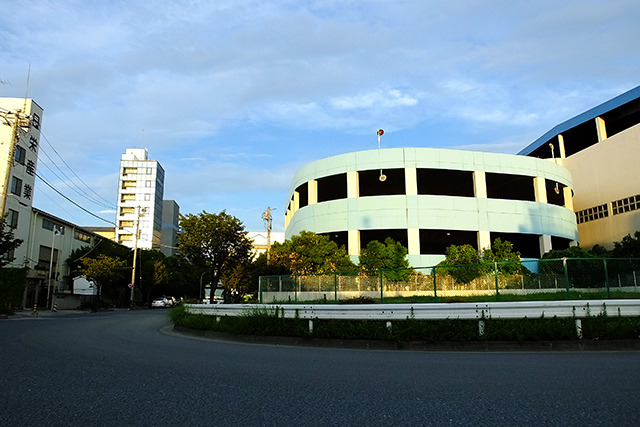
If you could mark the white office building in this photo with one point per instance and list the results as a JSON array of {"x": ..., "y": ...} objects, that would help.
[{"x": 140, "y": 191}]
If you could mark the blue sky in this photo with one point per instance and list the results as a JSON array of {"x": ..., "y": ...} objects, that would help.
[{"x": 231, "y": 97}]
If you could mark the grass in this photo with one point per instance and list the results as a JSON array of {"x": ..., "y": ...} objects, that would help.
[{"x": 263, "y": 322}]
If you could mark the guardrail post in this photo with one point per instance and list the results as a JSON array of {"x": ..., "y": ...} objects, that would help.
[
  {"x": 495, "y": 272},
  {"x": 606, "y": 278},
  {"x": 566, "y": 275},
  {"x": 579, "y": 328},
  {"x": 435, "y": 284},
  {"x": 481, "y": 326},
  {"x": 310, "y": 325}
]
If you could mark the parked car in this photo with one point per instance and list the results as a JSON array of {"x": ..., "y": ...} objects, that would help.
[{"x": 158, "y": 302}]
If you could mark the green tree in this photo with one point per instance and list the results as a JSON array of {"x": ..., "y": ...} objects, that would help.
[
  {"x": 8, "y": 242},
  {"x": 628, "y": 247},
  {"x": 309, "y": 253},
  {"x": 215, "y": 242},
  {"x": 390, "y": 255},
  {"x": 502, "y": 252},
  {"x": 104, "y": 270},
  {"x": 463, "y": 263}
]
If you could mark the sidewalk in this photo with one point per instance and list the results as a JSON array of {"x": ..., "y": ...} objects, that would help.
[{"x": 30, "y": 314}]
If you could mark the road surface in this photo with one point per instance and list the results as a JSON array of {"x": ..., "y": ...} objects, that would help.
[{"x": 119, "y": 368}]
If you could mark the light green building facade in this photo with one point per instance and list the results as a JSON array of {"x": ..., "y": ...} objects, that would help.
[{"x": 429, "y": 198}]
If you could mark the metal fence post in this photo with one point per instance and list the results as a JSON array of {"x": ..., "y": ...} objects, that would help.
[
  {"x": 335, "y": 286},
  {"x": 606, "y": 278},
  {"x": 566, "y": 275},
  {"x": 435, "y": 284},
  {"x": 295, "y": 288},
  {"x": 381, "y": 288},
  {"x": 495, "y": 272}
]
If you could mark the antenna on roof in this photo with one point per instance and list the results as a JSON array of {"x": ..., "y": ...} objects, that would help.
[
  {"x": 382, "y": 177},
  {"x": 26, "y": 91}
]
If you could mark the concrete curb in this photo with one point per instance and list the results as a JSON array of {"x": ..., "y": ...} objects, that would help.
[{"x": 577, "y": 345}]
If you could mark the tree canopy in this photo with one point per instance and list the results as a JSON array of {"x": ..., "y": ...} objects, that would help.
[
  {"x": 104, "y": 270},
  {"x": 390, "y": 255},
  {"x": 213, "y": 242},
  {"x": 8, "y": 242},
  {"x": 463, "y": 263},
  {"x": 310, "y": 253}
]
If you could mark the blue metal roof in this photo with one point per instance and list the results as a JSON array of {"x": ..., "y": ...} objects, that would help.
[{"x": 584, "y": 117}]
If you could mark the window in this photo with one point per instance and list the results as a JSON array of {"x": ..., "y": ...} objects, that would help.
[
  {"x": 147, "y": 197},
  {"x": 626, "y": 205},
  {"x": 20, "y": 155},
  {"x": 127, "y": 184},
  {"x": 130, "y": 171},
  {"x": 126, "y": 237},
  {"x": 149, "y": 171},
  {"x": 147, "y": 184},
  {"x": 127, "y": 210},
  {"x": 591, "y": 214},
  {"x": 50, "y": 225},
  {"x": 12, "y": 218},
  {"x": 126, "y": 197},
  {"x": 83, "y": 237},
  {"x": 16, "y": 186}
]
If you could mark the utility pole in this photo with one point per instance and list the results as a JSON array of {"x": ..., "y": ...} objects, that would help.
[
  {"x": 17, "y": 119},
  {"x": 266, "y": 217},
  {"x": 141, "y": 211}
]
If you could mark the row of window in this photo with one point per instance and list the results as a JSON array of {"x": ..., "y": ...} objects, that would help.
[
  {"x": 626, "y": 205},
  {"x": 618, "y": 207},
  {"x": 127, "y": 197},
  {"x": 128, "y": 170},
  {"x": 439, "y": 182},
  {"x": 591, "y": 214},
  {"x": 436, "y": 241},
  {"x": 128, "y": 184}
]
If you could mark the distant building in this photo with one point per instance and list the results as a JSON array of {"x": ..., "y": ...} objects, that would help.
[
  {"x": 259, "y": 242},
  {"x": 170, "y": 213},
  {"x": 601, "y": 149},
  {"x": 140, "y": 191},
  {"x": 20, "y": 123}
]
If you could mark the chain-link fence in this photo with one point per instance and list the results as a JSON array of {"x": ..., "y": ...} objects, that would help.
[{"x": 566, "y": 277}]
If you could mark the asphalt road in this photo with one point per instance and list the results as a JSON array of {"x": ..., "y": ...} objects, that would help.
[{"x": 118, "y": 368}]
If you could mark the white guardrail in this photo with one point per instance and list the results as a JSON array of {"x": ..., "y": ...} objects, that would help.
[{"x": 578, "y": 309}]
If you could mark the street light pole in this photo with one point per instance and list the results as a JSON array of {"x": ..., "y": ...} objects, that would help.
[
  {"x": 141, "y": 211},
  {"x": 53, "y": 249},
  {"x": 200, "y": 294}
]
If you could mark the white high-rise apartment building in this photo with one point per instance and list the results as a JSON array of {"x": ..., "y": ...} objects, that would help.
[{"x": 140, "y": 192}]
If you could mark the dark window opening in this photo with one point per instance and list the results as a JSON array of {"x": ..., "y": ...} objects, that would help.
[
  {"x": 445, "y": 182},
  {"x": 370, "y": 184},
  {"x": 399, "y": 235},
  {"x": 303, "y": 194},
  {"x": 578, "y": 138},
  {"x": 511, "y": 187},
  {"x": 555, "y": 192},
  {"x": 436, "y": 242},
  {"x": 332, "y": 187},
  {"x": 622, "y": 118},
  {"x": 527, "y": 244},
  {"x": 560, "y": 243},
  {"x": 341, "y": 238}
]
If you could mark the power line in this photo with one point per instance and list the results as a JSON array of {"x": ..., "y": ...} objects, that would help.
[
  {"x": 77, "y": 189},
  {"x": 74, "y": 203},
  {"x": 109, "y": 204}
]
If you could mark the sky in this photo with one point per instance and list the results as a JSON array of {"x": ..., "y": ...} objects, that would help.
[{"x": 233, "y": 96}]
